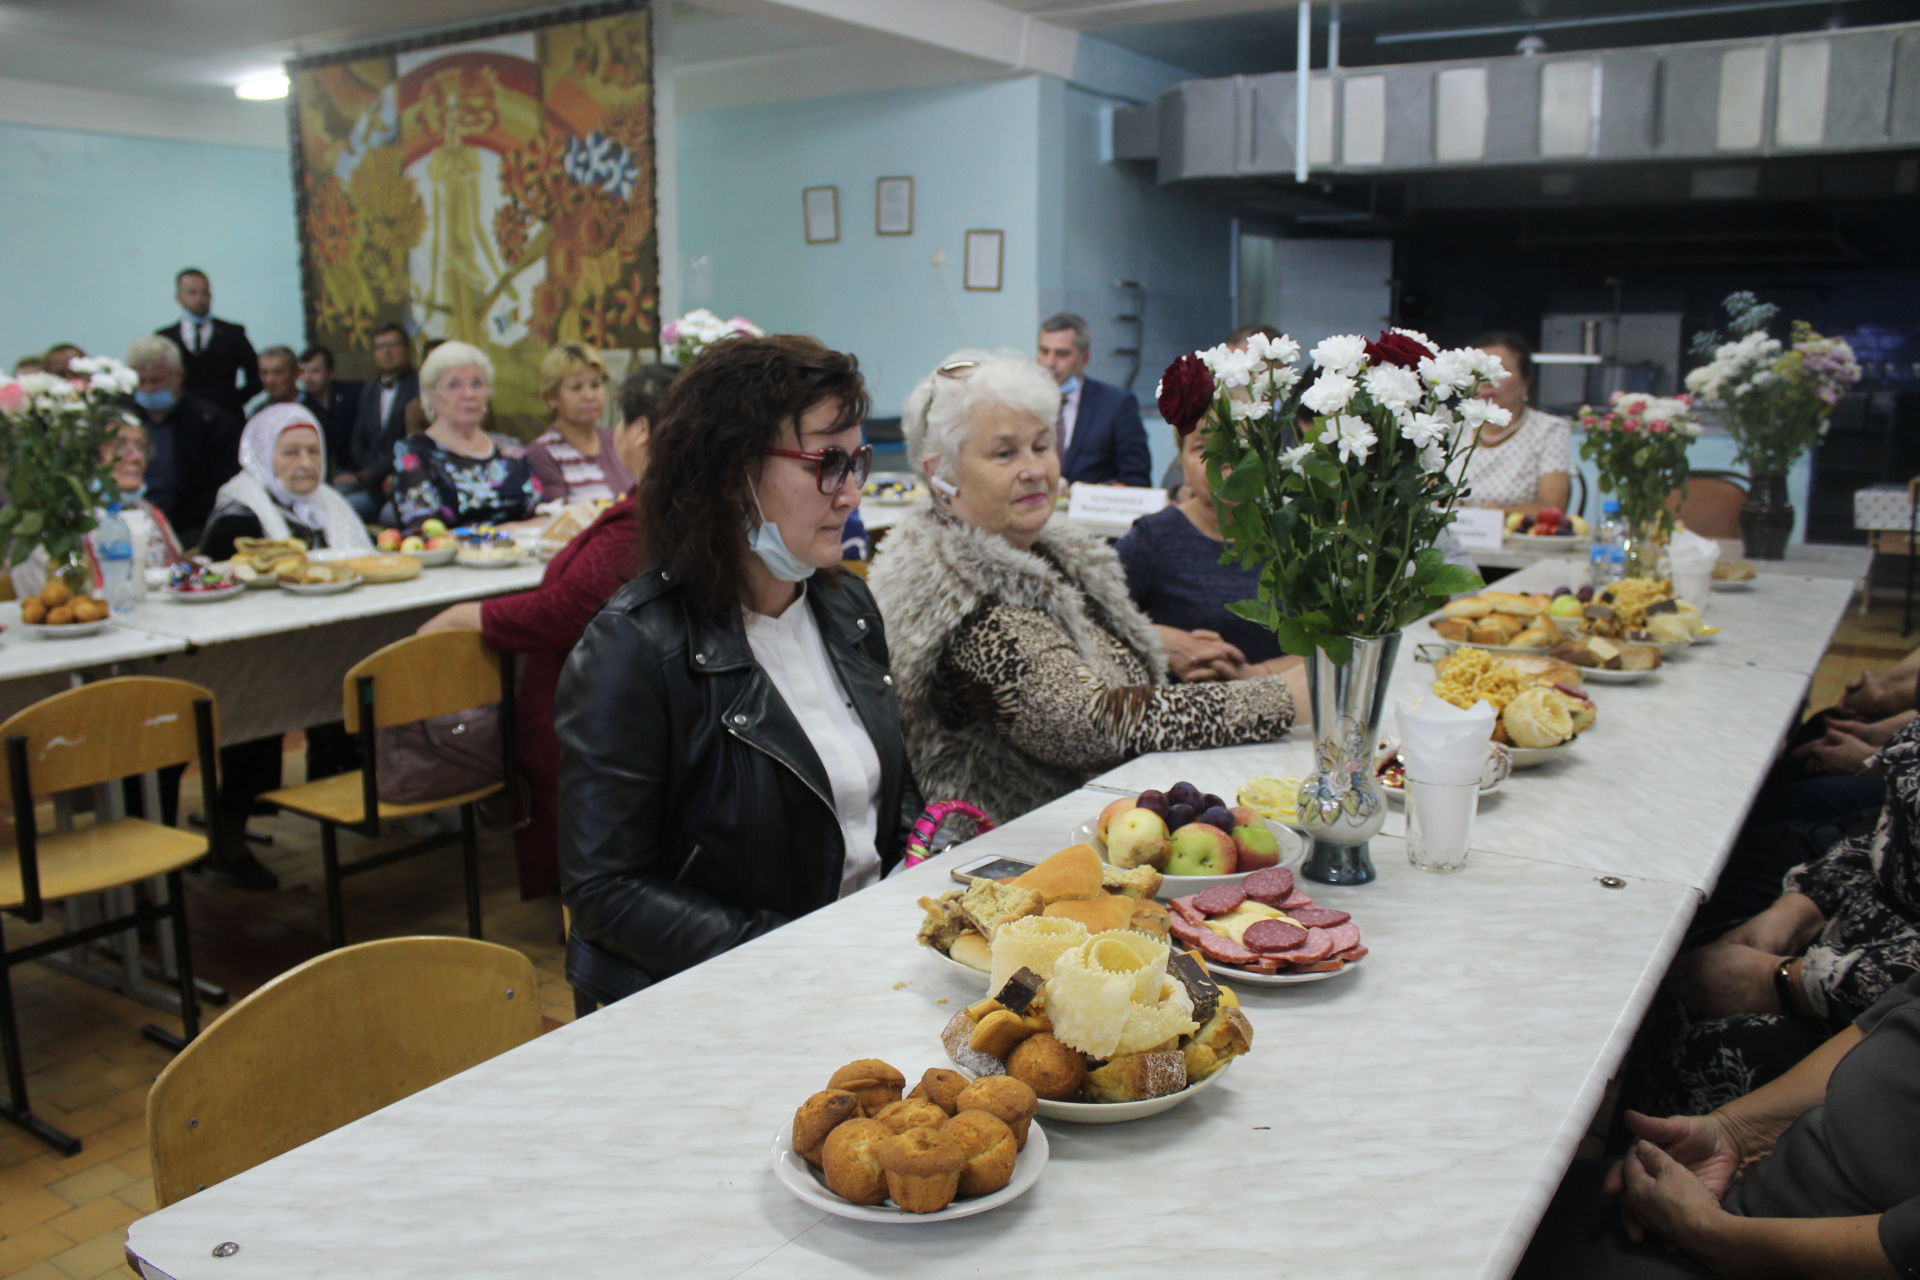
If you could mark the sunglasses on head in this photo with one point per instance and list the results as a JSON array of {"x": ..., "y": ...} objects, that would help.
[{"x": 833, "y": 466}]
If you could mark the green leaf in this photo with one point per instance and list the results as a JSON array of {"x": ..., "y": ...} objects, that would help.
[
  {"x": 1452, "y": 579},
  {"x": 29, "y": 523},
  {"x": 1338, "y": 648},
  {"x": 1296, "y": 637},
  {"x": 1258, "y": 612}
]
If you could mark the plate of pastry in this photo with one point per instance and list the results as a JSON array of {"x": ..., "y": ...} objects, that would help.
[
  {"x": 1139, "y": 1085},
  {"x": 952, "y": 1148}
]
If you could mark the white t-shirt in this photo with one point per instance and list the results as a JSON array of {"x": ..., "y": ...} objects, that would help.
[
  {"x": 1508, "y": 474},
  {"x": 789, "y": 649}
]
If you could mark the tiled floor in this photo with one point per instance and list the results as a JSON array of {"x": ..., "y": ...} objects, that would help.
[{"x": 65, "y": 1218}]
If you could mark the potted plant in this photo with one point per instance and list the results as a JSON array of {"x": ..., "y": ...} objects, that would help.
[
  {"x": 1776, "y": 400},
  {"x": 1335, "y": 485}
]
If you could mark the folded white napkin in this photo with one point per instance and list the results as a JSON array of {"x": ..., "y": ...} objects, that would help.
[
  {"x": 1442, "y": 743},
  {"x": 1690, "y": 560}
]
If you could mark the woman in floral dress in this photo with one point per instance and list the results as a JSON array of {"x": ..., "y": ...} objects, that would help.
[{"x": 455, "y": 471}]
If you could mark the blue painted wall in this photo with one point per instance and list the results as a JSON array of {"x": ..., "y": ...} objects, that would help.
[
  {"x": 96, "y": 224},
  {"x": 972, "y": 153}
]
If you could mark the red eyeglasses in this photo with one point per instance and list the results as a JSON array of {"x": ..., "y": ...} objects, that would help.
[{"x": 833, "y": 466}]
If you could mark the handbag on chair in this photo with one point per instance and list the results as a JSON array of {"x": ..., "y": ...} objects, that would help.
[{"x": 440, "y": 756}]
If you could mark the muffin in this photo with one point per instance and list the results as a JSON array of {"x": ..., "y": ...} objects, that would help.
[
  {"x": 1051, "y": 1069},
  {"x": 851, "y": 1164},
  {"x": 819, "y": 1116},
  {"x": 911, "y": 1113},
  {"x": 1014, "y": 1101},
  {"x": 872, "y": 1081},
  {"x": 941, "y": 1087},
  {"x": 990, "y": 1150},
  {"x": 923, "y": 1169}
]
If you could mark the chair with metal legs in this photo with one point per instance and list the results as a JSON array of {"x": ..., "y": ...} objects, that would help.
[{"x": 85, "y": 738}]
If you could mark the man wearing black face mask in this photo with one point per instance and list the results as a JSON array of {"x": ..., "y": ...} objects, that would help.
[{"x": 196, "y": 447}]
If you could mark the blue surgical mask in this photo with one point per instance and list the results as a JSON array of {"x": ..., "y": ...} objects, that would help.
[
  {"x": 155, "y": 401},
  {"x": 764, "y": 540}
]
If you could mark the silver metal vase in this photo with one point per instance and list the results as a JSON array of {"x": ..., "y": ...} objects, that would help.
[{"x": 1340, "y": 805}]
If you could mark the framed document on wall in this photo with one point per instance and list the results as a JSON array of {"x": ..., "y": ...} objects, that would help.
[
  {"x": 893, "y": 206},
  {"x": 822, "y": 205},
  {"x": 984, "y": 251}
]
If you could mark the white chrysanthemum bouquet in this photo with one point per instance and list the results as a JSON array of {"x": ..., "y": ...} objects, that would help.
[
  {"x": 53, "y": 433},
  {"x": 694, "y": 332}
]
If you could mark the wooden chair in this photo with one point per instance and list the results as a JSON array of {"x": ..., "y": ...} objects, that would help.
[
  {"x": 411, "y": 679},
  {"x": 1710, "y": 502},
  {"x": 84, "y": 738},
  {"x": 327, "y": 1042}
]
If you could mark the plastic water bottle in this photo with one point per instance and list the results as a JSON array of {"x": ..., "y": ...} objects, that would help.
[
  {"x": 1609, "y": 554},
  {"x": 113, "y": 543}
]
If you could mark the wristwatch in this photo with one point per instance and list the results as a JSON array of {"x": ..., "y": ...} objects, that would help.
[{"x": 1783, "y": 984}]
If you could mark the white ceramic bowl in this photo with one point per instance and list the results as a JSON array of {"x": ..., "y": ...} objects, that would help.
[
  {"x": 807, "y": 1184},
  {"x": 433, "y": 559},
  {"x": 1293, "y": 849}
]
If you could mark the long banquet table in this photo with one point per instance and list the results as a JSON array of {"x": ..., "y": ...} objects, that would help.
[{"x": 1413, "y": 1114}]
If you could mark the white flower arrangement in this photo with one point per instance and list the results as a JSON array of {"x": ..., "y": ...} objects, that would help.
[{"x": 686, "y": 337}]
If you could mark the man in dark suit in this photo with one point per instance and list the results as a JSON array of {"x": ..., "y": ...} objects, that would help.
[
  {"x": 1098, "y": 432},
  {"x": 334, "y": 401},
  {"x": 220, "y": 363},
  {"x": 380, "y": 423},
  {"x": 195, "y": 446}
]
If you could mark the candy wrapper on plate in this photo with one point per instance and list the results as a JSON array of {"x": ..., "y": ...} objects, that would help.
[{"x": 1444, "y": 749}]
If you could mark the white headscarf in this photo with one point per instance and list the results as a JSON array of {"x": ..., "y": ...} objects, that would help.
[{"x": 259, "y": 490}]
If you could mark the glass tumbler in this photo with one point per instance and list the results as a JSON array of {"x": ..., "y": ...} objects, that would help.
[{"x": 1440, "y": 823}]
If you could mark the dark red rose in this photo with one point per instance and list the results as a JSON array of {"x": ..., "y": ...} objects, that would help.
[
  {"x": 1397, "y": 348},
  {"x": 1186, "y": 389}
]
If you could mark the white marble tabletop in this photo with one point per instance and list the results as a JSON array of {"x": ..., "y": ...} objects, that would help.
[
  {"x": 270, "y": 610},
  {"x": 1803, "y": 560},
  {"x": 24, "y": 654},
  {"x": 1410, "y": 1116}
]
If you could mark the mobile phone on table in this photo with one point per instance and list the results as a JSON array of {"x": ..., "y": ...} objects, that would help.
[{"x": 991, "y": 868}]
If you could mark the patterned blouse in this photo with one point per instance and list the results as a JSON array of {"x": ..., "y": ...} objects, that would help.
[
  {"x": 430, "y": 480},
  {"x": 1508, "y": 474},
  {"x": 1868, "y": 888}
]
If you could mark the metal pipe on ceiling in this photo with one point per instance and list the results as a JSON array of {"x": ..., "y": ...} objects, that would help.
[{"x": 1598, "y": 20}]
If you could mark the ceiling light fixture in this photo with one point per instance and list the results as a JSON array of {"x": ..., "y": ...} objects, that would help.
[{"x": 262, "y": 88}]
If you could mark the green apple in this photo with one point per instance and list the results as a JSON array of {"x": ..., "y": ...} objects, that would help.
[
  {"x": 1198, "y": 849},
  {"x": 1137, "y": 838},
  {"x": 1256, "y": 846},
  {"x": 1567, "y": 606},
  {"x": 433, "y": 528}
]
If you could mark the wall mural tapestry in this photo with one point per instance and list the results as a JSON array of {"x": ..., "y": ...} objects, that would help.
[{"x": 494, "y": 185}]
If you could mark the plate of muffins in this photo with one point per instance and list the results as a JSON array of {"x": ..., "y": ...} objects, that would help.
[{"x": 951, "y": 1148}]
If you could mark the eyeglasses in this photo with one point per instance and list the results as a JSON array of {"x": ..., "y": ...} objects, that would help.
[{"x": 833, "y": 466}]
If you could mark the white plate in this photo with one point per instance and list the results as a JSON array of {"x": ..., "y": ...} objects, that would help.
[
  {"x": 433, "y": 559},
  {"x": 1293, "y": 848},
  {"x": 1549, "y": 539},
  {"x": 807, "y": 1184},
  {"x": 204, "y": 597},
  {"x": 468, "y": 563},
  {"x": 946, "y": 959},
  {"x": 1600, "y": 675},
  {"x": 1111, "y": 1112},
  {"x": 322, "y": 588},
  {"x": 72, "y": 631},
  {"x": 1528, "y": 757},
  {"x": 1504, "y": 650},
  {"x": 1733, "y": 584},
  {"x": 1230, "y": 974}
]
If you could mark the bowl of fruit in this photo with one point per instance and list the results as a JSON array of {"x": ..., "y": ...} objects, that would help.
[
  {"x": 1550, "y": 525},
  {"x": 432, "y": 546},
  {"x": 1193, "y": 838}
]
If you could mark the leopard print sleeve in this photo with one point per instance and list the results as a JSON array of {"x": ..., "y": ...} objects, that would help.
[{"x": 1020, "y": 670}]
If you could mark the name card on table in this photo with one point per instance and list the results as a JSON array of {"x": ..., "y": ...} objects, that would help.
[
  {"x": 1480, "y": 528},
  {"x": 1113, "y": 504}
]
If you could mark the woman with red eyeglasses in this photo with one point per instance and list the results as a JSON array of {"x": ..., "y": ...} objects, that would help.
[{"x": 731, "y": 754}]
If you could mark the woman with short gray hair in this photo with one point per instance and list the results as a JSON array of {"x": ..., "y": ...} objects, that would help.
[
  {"x": 1023, "y": 667},
  {"x": 455, "y": 471}
]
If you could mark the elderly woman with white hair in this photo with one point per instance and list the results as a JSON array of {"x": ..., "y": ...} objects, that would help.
[
  {"x": 1023, "y": 666},
  {"x": 456, "y": 471},
  {"x": 281, "y": 490}
]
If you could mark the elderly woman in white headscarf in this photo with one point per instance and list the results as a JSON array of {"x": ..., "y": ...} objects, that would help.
[{"x": 281, "y": 491}]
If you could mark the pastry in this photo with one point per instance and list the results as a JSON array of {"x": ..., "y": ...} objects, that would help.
[
  {"x": 957, "y": 1038},
  {"x": 850, "y": 1164},
  {"x": 923, "y": 1169},
  {"x": 1537, "y": 717},
  {"x": 1073, "y": 873},
  {"x": 1225, "y": 1037},
  {"x": 1639, "y": 657},
  {"x": 1019, "y": 992},
  {"x": 943, "y": 923},
  {"x": 872, "y": 1081},
  {"x": 972, "y": 950},
  {"x": 1467, "y": 607},
  {"x": 1455, "y": 629},
  {"x": 819, "y": 1116},
  {"x": 1035, "y": 943},
  {"x": 1101, "y": 914},
  {"x": 988, "y": 904},
  {"x": 998, "y": 1033},
  {"x": 1669, "y": 628},
  {"x": 1134, "y": 1077},
  {"x": 912, "y": 1113},
  {"x": 1135, "y": 882},
  {"x": 1519, "y": 605},
  {"x": 394, "y": 567},
  {"x": 1014, "y": 1101},
  {"x": 1049, "y": 1068},
  {"x": 941, "y": 1087},
  {"x": 1150, "y": 917},
  {"x": 990, "y": 1150}
]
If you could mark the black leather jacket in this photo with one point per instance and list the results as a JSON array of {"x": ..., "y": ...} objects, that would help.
[{"x": 694, "y": 813}]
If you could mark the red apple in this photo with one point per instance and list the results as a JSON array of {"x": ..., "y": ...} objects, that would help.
[
  {"x": 1256, "y": 846},
  {"x": 1201, "y": 850},
  {"x": 1108, "y": 814}
]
